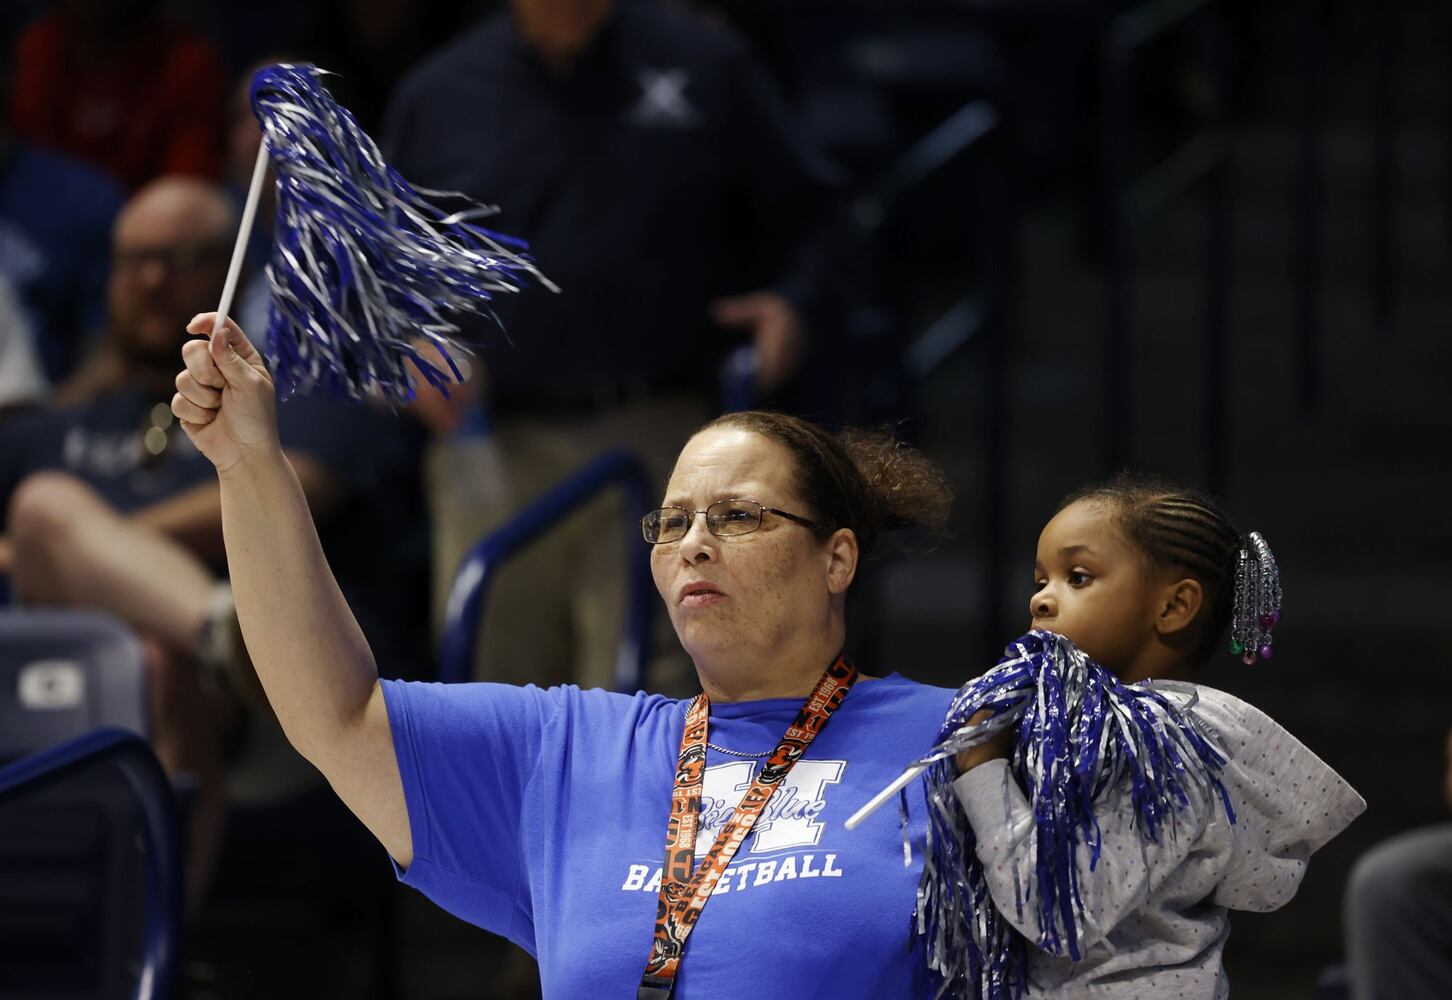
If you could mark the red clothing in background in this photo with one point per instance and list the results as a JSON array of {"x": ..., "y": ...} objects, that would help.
[{"x": 149, "y": 104}]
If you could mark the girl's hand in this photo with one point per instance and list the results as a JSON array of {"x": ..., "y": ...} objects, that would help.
[
  {"x": 994, "y": 749},
  {"x": 225, "y": 398}
]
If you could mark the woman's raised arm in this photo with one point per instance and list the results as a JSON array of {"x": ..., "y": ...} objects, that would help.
[{"x": 309, "y": 653}]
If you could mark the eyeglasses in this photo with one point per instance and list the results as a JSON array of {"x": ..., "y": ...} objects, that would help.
[
  {"x": 724, "y": 518},
  {"x": 176, "y": 259}
]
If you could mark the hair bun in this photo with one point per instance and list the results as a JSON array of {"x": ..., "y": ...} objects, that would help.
[{"x": 904, "y": 488}]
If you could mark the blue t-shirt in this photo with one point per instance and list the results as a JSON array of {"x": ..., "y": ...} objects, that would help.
[{"x": 541, "y": 815}]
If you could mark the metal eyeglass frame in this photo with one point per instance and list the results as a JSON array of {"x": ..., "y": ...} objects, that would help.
[{"x": 761, "y": 509}]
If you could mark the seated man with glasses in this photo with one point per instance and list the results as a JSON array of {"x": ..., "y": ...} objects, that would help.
[{"x": 109, "y": 506}]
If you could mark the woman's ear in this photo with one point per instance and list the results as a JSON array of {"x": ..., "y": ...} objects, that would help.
[
  {"x": 842, "y": 556},
  {"x": 1179, "y": 604}
]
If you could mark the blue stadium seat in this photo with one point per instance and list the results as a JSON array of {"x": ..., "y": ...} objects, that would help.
[
  {"x": 90, "y": 872},
  {"x": 64, "y": 673}
]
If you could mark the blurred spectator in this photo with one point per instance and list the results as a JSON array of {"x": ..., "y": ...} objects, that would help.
[
  {"x": 1399, "y": 914},
  {"x": 652, "y": 168},
  {"x": 110, "y": 507},
  {"x": 118, "y": 85},
  {"x": 55, "y": 233}
]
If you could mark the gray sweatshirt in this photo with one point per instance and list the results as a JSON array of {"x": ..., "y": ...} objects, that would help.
[{"x": 1155, "y": 915}]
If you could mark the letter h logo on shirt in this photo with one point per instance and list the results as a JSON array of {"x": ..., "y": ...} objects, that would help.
[{"x": 790, "y": 817}]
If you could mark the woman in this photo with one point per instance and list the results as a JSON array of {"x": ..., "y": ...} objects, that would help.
[{"x": 545, "y": 815}]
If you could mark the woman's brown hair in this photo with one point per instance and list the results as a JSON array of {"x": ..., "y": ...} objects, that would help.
[{"x": 868, "y": 481}]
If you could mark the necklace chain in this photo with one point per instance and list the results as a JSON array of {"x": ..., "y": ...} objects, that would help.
[{"x": 737, "y": 753}]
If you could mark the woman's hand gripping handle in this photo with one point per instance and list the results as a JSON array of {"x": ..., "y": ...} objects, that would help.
[{"x": 225, "y": 398}]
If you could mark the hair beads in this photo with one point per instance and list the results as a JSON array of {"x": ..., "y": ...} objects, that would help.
[{"x": 1257, "y": 607}]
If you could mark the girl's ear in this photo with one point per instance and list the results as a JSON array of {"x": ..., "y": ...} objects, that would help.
[
  {"x": 842, "y": 560},
  {"x": 1179, "y": 603}
]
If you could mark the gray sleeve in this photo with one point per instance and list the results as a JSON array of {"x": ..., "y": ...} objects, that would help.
[
  {"x": 1288, "y": 803},
  {"x": 1127, "y": 873}
]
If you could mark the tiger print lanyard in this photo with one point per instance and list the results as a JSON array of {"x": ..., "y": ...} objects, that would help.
[{"x": 683, "y": 894}]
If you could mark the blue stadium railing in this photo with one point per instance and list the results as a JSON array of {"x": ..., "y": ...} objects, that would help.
[
  {"x": 613, "y": 469},
  {"x": 148, "y": 786}
]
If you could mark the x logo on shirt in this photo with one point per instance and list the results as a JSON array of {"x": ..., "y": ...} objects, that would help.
[{"x": 663, "y": 99}]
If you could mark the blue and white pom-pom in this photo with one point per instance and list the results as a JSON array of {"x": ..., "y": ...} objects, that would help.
[
  {"x": 1077, "y": 732},
  {"x": 362, "y": 265}
]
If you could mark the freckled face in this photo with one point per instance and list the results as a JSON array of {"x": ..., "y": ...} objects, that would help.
[
  {"x": 744, "y": 593},
  {"x": 1092, "y": 587}
]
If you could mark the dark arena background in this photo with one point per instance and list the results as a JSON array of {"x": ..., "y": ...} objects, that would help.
[{"x": 1040, "y": 240}]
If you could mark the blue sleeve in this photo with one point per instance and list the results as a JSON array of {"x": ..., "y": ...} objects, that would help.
[{"x": 466, "y": 753}]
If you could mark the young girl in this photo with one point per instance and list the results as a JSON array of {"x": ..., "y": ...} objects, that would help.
[{"x": 1142, "y": 576}]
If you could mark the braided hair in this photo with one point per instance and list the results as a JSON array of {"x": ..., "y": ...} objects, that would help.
[{"x": 1177, "y": 529}]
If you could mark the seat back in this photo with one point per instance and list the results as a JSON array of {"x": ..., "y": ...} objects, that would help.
[
  {"x": 64, "y": 673},
  {"x": 90, "y": 872}
]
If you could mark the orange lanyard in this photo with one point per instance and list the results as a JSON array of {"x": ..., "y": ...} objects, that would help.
[{"x": 683, "y": 894}]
